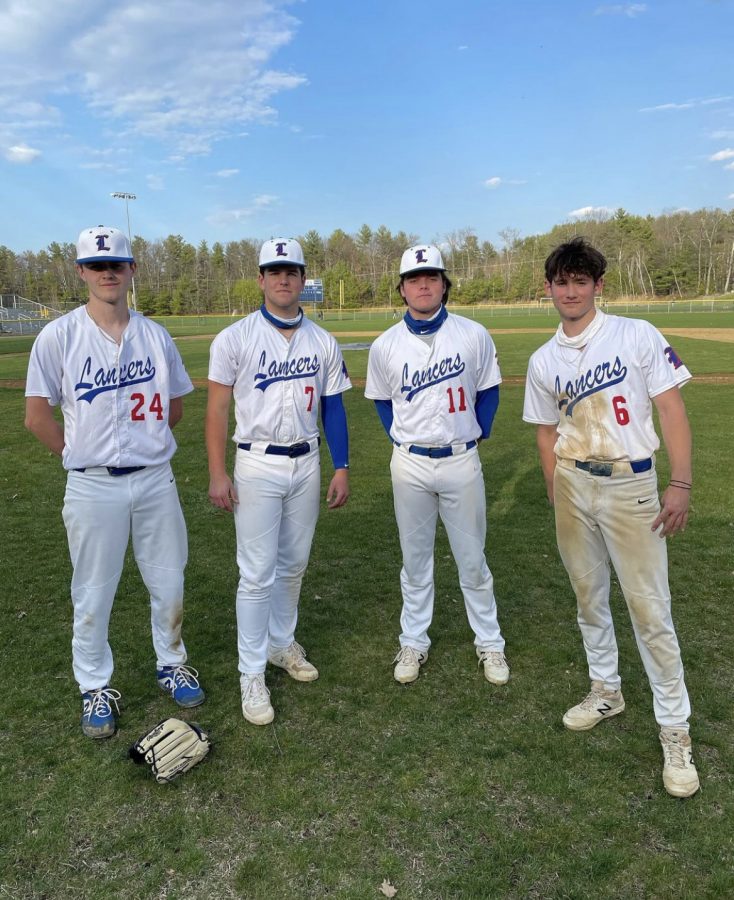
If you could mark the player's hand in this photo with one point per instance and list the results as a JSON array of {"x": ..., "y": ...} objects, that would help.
[
  {"x": 222, "y": 492},
  {"x": 550, "y": 493},
  {"x": 673, "y": 515},
  {"x": 338, "y": 492}
]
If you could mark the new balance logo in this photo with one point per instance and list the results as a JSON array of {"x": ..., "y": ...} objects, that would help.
[{"x": 603, "y": 709}]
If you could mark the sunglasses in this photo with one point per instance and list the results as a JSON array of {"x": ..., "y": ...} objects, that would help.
[{"x": 103, "y": 266}]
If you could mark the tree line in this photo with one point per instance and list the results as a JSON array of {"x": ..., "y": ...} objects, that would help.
[{"x": 677, "y": 254}]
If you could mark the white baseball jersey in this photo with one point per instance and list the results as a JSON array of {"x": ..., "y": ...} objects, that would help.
[
  {"x": 114, "y": 397},
  {"x": 433, "y": 385},
  {"x": 600, "y": 397},
  {"x": 277, "y": 382}
]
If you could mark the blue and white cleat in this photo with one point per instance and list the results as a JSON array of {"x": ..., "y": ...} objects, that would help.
[
  {"x": 98, "y": 717},
  {"x": 181, "y": 683}
]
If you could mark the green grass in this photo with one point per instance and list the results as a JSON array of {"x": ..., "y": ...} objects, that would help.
[{"x": 449, "y": 787}]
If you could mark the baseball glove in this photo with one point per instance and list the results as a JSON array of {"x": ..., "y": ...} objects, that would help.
[{"x": 171, "y": 748}]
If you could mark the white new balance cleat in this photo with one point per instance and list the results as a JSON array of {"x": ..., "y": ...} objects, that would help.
[
  {"x": 293, "y": 660},
  {"x": 256, "y": 706},
  {"x": 409, "y": 661},
  {"x": 597, "y": 705},
  {"x": 496, "y": 670},
  {"x": 679, "y": 773}
]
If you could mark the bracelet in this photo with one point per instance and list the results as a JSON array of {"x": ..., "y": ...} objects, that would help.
[
  {"x": 681, "y": 485},
  {"x": 678, "y": 481}
]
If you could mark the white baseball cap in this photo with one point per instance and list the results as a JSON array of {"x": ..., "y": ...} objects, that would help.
[
  {"x": 100, "y": 243},
  {"x": 281, "y": 252},
  {"x": 422, "y": 256}
]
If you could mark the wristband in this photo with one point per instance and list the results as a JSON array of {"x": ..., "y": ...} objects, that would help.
[{"x": 684, "y": 486}]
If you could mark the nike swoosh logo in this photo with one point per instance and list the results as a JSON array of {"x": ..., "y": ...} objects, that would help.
[
  {"x": 645, "y": 501},
  {"x": 171, "y": 482}
]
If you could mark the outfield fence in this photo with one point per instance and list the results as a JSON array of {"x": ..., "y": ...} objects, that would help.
[{"x": 193, "y": 324}]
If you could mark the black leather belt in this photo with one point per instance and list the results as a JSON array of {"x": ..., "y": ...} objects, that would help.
[
  {"x": 437, "y": 452},
  {"x": 606, "y": 468},
  {"x": 116, "y": 470},
  {"x": 292, "y": 450}
]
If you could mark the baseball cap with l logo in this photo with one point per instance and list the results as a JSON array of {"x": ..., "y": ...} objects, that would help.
[
  {"x": 281, "y": 252},
  {"x": 102, "y": 243},
  {"x": 422, "y": 256}
]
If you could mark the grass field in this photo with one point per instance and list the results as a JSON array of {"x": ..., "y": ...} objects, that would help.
[{"x": 448, "y": 788}]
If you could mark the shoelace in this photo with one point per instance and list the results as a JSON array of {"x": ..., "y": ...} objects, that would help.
[
  {"x": 185, "y": 676},
  {"x": 297, "y": 652},
  {"x": 99, "y": 705},
  {"x": 591, "y": 700},
  {"x": 676, "y": 754},
  {"x": 256, "y": 690},
  {"x": 408, "y": 657},
  {"x": 496, "y": 657}
]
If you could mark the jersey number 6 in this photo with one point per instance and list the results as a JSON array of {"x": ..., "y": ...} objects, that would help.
[
  {"x": 620, "y": 410},
  {"x": 137, "y": 414}
]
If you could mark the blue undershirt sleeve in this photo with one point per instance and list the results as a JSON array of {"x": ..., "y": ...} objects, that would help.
[
  {"x": 486, "y": 407},
  {"x": 384, "y": 411},
  {"x": 334, "y": 418}
]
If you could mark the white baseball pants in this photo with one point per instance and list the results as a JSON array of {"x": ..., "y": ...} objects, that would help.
[
  {"x": 599, "y": 517},
  {"x": 100, "y": 511},
  {"x": 452, "y": 487},
  {"x": 275, "y": 521}
]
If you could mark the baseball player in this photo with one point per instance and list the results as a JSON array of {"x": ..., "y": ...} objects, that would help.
[
  {"x": 282, "y": 369},
  {"x": 435, "y": 381},
  {"x": 120, "y": 382},
  {"x": 590, "y": 391}
]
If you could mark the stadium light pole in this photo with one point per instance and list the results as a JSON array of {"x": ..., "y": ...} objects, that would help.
[{"x": 124, "y": 195}]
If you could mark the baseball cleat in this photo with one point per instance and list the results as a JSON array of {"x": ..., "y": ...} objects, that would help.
[
  {"x": 409, "y": 661},
  {"x": 496, "y": 670},
  {"x": 256, "y": 706},
  {"x": 679, "y": 773},
  {"x": 98, "y": 718},
  {"x": 597, "y": 705},
  {"x": 181, "y": 683},
  {"x": 293, "y": 660}
]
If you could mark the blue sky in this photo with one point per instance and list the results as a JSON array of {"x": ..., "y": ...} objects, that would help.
[{"x": 271, "y": 117}]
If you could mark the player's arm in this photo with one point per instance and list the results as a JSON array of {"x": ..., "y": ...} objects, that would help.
[
  {"x": 222, "y": 491},
  {"x": 384, "y": 411},
  {"x": 485, "y": 409},
  {"x": 41, "y": 422},
  {"x": 175, "y": 411},
  {"x": 676, "y": 431},
  {"x": 334, "y": 419},
  {"x": 546, "y": 437}
]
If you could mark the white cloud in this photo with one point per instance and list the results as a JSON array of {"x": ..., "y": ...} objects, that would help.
[
  {"x": 591, "y": 212},
  {"x": 631, "y": 10},
  {"x": 260, "y": 203},
  {"x": 463, "y": 47},
  {"x": 155, "y": 182},
  {"x": 731, "y": 197},
  {"x": 722, "y": 155},
  {"x": 21, "y": 153},
  {"x": 689, "y": 104},
  {"x": 227, "y": 173},
  {"x": 729, "y": 166},
  {"x": 496, "y": 181},
  {"x": 187, "y": 74}
]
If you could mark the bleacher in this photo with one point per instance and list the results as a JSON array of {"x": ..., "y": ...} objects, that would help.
[{"x": 18, "y": 315}]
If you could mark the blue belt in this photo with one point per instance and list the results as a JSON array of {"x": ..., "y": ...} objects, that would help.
[
  {"x": 606, "y": 468},
  {"x": 292, "y": 450},
  {"x": 116, "y": 470},
  {"x": 436, "y": 452}
]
